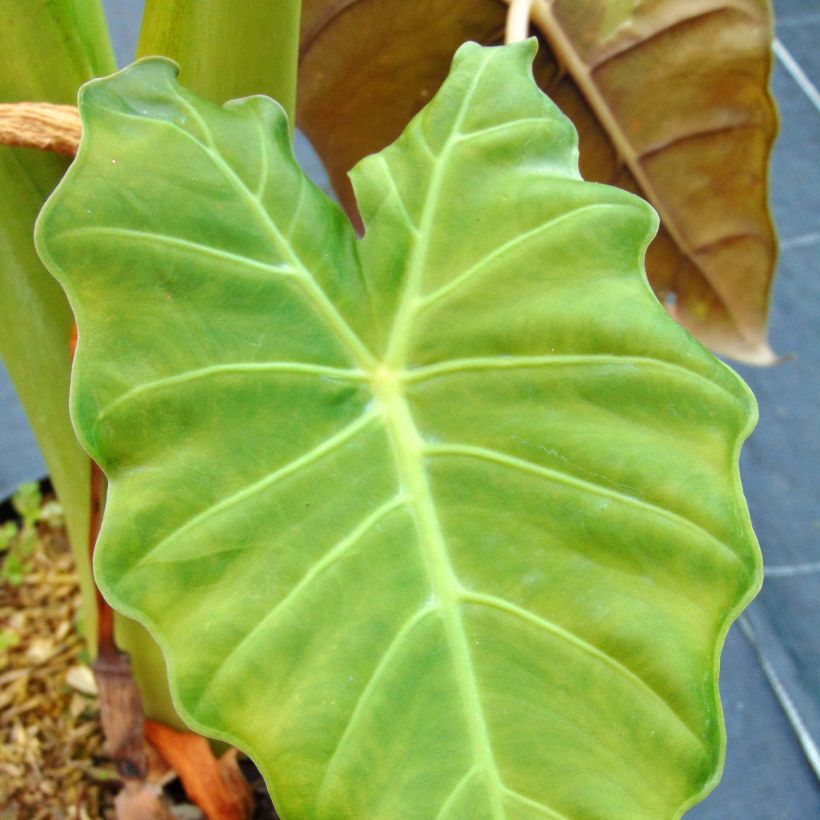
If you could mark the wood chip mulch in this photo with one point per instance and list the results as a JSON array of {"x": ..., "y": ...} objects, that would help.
[
  {"x": 52, "y": 760},
  {"x": 52, "y": 763}
]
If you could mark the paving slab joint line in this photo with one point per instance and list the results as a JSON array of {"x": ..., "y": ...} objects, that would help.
[
  {"x": 794, "y": 68},
  {"x": 800, "y": 241},
  {"x": 789, "y": 570},
  {"x": 807, "y": 743}
]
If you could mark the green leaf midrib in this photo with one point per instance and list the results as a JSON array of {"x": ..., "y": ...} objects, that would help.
[
  {"x": 408, "y": 448},
  {"x": 409, "y": 301}
]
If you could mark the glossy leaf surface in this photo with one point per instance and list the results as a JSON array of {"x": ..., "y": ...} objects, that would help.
[
  {"x": 440, "y": 523},
  {"x": 671, "y": 101}
]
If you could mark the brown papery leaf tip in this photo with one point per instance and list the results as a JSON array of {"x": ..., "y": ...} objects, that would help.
[
  {"x": 45, "y": 126},
  {"x": 739, "y": 350},
  {"x": 752, "y": 351}
]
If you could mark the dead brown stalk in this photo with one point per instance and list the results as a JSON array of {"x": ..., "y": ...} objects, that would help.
[{"x": 45, "y": 126}]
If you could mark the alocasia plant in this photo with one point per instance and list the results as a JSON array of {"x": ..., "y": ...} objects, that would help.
[{"x": 442, "y": 522}]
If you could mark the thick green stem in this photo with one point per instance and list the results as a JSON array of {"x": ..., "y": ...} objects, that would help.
[
  {"x": 48, "y": 50},
  {"x": 226, "y": 48}
]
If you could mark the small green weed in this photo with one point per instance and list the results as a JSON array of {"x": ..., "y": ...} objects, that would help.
[{"x": 17, "y": 541}]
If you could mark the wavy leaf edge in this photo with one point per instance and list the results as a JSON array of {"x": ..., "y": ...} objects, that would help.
[{"x": 134, "y": 612}]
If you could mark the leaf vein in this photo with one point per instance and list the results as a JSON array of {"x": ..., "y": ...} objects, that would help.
[
  {"x": 534, "y": 804},
  {"x": 494, "y": 602},
  {"x": 329, "y": 445},
  {"x": 466, "y": 136},
  {"x": 183, "y": 244},
  {"x": 690, "y": 136},
  {"x": 387, "y": 657},
  {"x": 649, "y": 37},
  {"x": 232, "y": 368},
  {"x": 333, "y": 555},
  {"x": 294, "y": 217},
  {"x": 503, "y": 459},
  {"x": 425, "y": 301},
  {"x": 466, "y": 365},
  {"x": 385, "y": 165},
  {"x": 263, "y": 158},
  {"x": 455, "y": 792}
]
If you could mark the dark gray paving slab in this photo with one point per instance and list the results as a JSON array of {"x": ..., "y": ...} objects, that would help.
[
  {"x": 124, "y": 18},
  {"x": 766, "y": 776},
  {"x": 795, "y": 192},
  {"x": 792, "y": 21},
  {"x": 781, "y": 462},
  {"x": 20, "y": 458},
  {"x": 795, "y": 11},
  {"x": 801, "y": 36}
]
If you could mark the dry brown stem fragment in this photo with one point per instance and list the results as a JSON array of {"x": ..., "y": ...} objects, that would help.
[
  {"x": 121, "y": 715},
  {"x": 45, "y": 126}
]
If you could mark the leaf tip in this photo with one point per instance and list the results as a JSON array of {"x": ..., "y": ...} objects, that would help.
[
  {"x": 723, "y": 337},
  {"x": 523, "y": 51}
]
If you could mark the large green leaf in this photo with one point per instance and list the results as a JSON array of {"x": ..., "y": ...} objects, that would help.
[
  {"x": 441, "y": 523},
  {"x": 670, "y": 98}
]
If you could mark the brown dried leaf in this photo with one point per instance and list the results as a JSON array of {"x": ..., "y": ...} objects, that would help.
[
  {"x": 216, "y": 786},
  {"x": 670, "y": 99}
]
